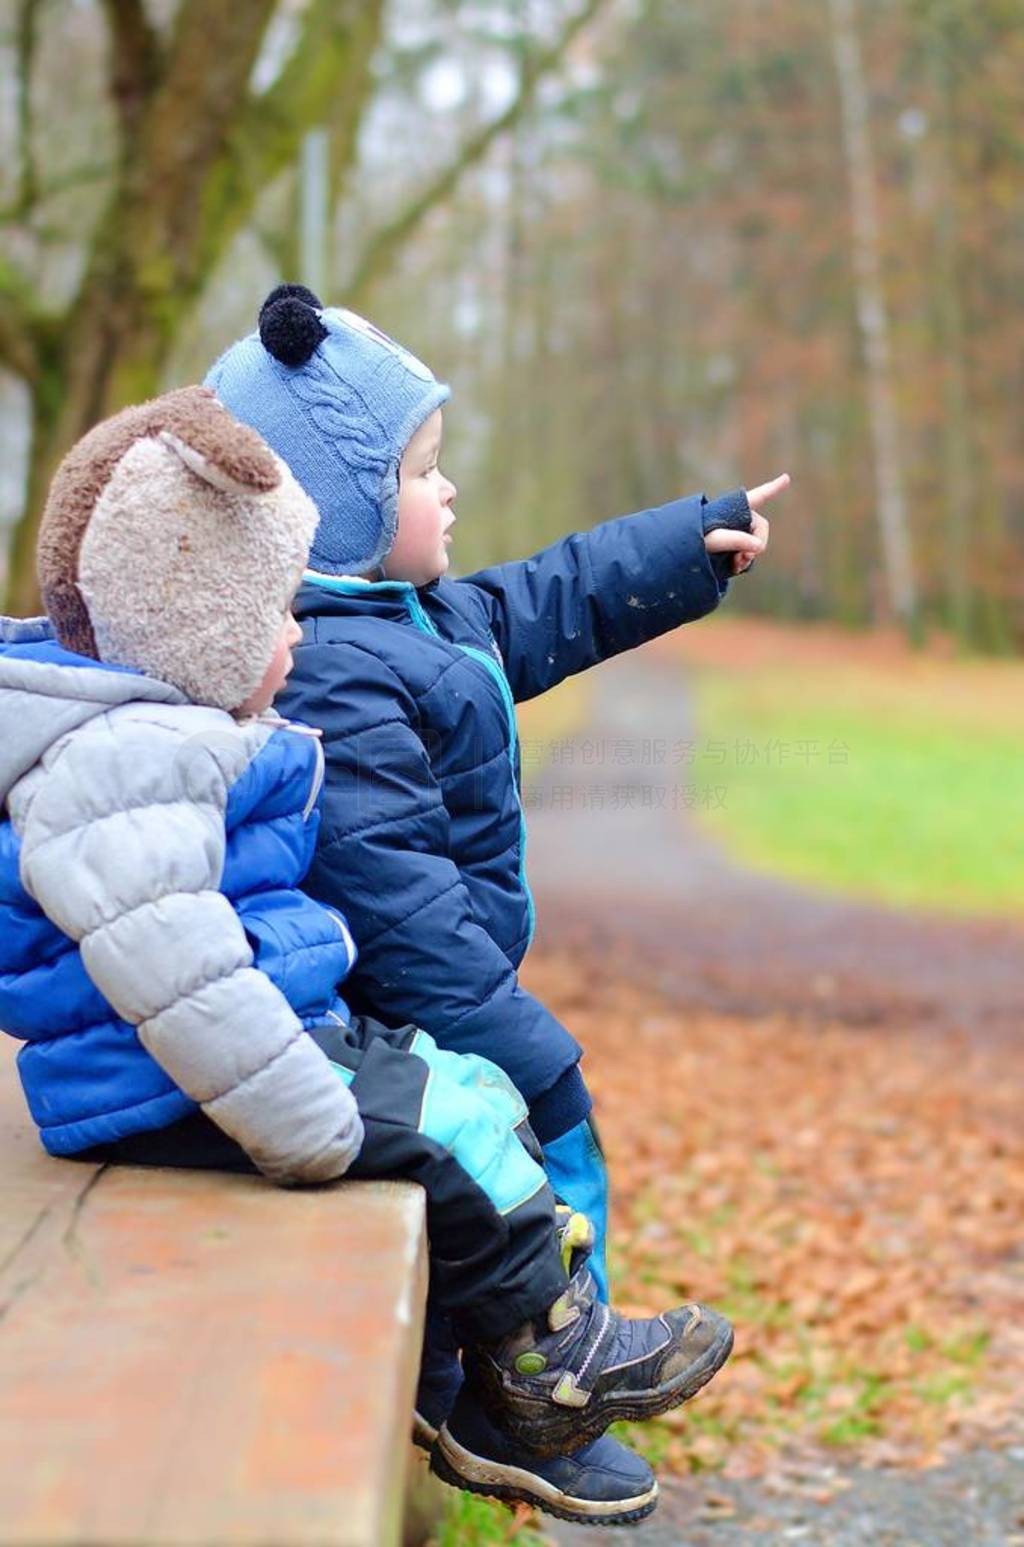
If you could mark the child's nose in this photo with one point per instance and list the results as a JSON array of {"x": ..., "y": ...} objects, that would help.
[{"x": 450, "y": 491}]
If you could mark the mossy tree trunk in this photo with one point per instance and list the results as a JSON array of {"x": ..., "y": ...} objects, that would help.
[{"x": 197, "y": 147}]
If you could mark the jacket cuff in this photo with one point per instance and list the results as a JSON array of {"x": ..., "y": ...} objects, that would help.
[
  {"x": 730, "y": 510},
  {"x": 562, "y": 1106}
]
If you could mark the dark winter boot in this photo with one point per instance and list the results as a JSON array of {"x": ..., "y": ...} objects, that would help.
[
  {"x": 440, "y": 1377},
  {"x": 559, "y": 1381},
  {"x": 440, "y": 1370},
  {"x": 601, "y": 1484}
]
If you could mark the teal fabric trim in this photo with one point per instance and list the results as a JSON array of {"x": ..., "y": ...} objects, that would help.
[
  {"x": 497, "y": 672},
  {"x": 579, "y": 1177},
  {"x": 484, "y": 1145},
  {"x": 346, "y": 1075},
  {"x": 418, "y": 613},
  {"x": 422, "y": 621},
  {"x": 350, "y": 586},
  {"x": 471, "y": 1072}
]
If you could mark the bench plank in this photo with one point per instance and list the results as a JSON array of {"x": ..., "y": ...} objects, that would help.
[{"x": 188, "y": 1357}]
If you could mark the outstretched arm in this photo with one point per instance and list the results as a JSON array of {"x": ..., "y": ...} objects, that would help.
[
  {"x": 597, "y": 593},
  {"x": 122, "y": 846}
]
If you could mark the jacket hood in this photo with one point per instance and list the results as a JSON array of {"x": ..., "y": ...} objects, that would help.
[{"x": 47, "y": 691}]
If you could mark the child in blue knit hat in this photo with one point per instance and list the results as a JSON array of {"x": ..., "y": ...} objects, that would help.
[{"x": 413, "y": 678}]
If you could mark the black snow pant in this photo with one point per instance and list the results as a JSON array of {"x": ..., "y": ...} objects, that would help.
[{"x": 491, "y": 1267}]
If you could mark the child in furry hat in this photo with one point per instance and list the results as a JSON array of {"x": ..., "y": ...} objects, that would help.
[{"x": 177, "y": 994}]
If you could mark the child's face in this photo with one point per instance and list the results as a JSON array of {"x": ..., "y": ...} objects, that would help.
[
  {"x": 276, "y": 674},
  {"x": 425, "y": 515}
]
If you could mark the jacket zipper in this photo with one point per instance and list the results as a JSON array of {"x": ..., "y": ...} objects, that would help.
[
  {"x": 346, "y": 935},
  {"x": 279, "y": 723},
  {"x": 419, "y": 616},
  {"x": 318, "y": 781},
  {"x": 348, "y": 586}
]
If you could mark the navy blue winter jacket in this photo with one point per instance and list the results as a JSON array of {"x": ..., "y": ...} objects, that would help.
[{"x": 423, "y": 834}]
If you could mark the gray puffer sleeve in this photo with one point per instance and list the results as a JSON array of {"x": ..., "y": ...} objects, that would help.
[{"x": 123, "y": 846}]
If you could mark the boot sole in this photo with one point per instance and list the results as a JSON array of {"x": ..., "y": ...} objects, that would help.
[
  {"x": 556, "y": 1435},
  {"x": 423, "y": 1433},
  {"x": 460, "y": 1468}
]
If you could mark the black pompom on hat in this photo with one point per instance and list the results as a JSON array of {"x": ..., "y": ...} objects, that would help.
[{"x": 290, "y": 329}]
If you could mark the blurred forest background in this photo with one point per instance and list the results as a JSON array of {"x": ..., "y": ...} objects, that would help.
[
  {"x": 658, "y": 246},
  {"x": 655, "y": 246}
]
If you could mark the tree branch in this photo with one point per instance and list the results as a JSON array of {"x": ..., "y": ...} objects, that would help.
[
  {"x": 22, "y": 324},
  {"x": 26, "y": 39},
  {"x": 19, "y": 208},
  {"x": 381, "y": 251},
  {"x": 325, "y": 80},
  {"x": 135, "y": 63},
  {"x": 205, "y": 84},
  {"x": 180, "y": 130},
  {"x": 337, "y": 42}
]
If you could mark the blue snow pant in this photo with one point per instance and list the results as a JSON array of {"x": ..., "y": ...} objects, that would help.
[{"x": 578, "y": 1175}]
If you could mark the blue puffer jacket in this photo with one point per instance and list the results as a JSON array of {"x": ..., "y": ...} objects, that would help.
[
  {"x": 126, "y": 810},
  {"x": 423, "y": 832}
]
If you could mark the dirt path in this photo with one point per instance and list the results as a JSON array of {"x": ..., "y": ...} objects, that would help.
[
  {"x": 977, "y": 1501},
  {"x": 625, "y": 880},
  {"x": 615, "y": 859}
]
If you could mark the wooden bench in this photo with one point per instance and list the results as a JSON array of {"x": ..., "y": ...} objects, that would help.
[{"x": 197, "y": 1358}]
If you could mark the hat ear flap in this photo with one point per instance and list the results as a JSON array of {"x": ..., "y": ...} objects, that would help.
[
  {"x": 203, "y": 467},
  {"x": 213, "y": 444}
]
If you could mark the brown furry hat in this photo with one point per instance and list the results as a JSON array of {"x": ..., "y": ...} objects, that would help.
[{"x": 172, "y": 542}]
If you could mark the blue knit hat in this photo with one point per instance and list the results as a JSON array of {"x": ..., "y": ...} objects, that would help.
[{"x": 339, "y": 402}]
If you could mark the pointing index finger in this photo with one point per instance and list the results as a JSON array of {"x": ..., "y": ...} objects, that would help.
[{"x": 767, "y": 491}]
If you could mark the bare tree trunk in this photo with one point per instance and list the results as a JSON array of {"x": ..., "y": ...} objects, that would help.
[
  {"x": 511, "y": 425},
  {"x": 956, "y": 433},
  {"x": 872, "y": 315}
]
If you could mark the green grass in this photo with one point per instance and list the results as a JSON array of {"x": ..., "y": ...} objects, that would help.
[
  {"x": 908, "y": 793},
  {"x": 475, "y": 1522}
]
